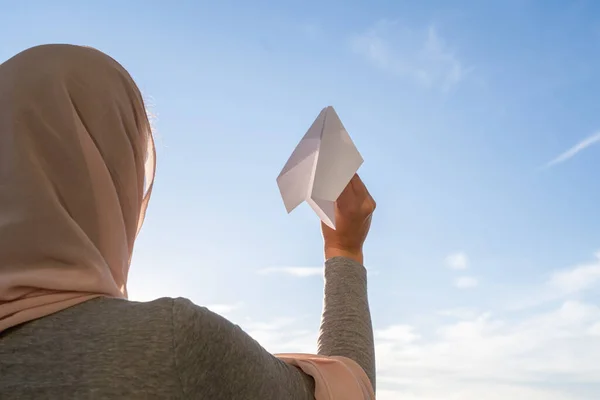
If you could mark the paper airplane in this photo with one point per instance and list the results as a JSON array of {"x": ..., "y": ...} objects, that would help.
[{"x": 320, "y": 167}]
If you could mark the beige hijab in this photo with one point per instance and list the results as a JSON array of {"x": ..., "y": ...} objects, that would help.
[{"x": 76, "y": 172}]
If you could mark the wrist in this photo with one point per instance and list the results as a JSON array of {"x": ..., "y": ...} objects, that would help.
[{"x": 356, "y": 255}]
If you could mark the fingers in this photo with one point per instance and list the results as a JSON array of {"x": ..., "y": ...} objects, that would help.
[
  {"x": 356, "y": 195},
  {"x": 359, "y": 187},
  {"x": 362, "y": 189},
  {"x": 364, "y": 193},
  {"x": 347, "y": 197}
]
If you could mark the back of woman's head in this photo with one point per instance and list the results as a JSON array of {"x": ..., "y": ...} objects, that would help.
[{"x": 76, "y": 169}]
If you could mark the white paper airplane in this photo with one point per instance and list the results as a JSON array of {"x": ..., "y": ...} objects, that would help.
[{"x": 320, "y": 167}]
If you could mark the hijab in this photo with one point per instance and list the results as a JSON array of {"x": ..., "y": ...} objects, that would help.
[{"x": 76, "y": 173}]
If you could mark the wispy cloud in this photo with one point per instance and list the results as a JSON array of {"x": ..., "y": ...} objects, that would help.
[
  {"x": 421, "y": 55},
  {"x": 280, "y": 335},
  {"x": 466, "y": 282},
  {"x": 402, "y": 333},
  {"x": 504, "y": 354},
  {"x": 301, "y": 272},
  {"x": 576, "y": 279},
  {"x": 573, "y": 151},
  {"x": 457, "y": 261},
  {"x": 459, "y": 313},
  {"x": 558, "y": 286}
]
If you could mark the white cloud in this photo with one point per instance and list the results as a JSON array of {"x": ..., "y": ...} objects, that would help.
[
  {"x": 573, "y": 151},
  {"x": 403, "y": 333},
  {"x": 420, "y": 55},
  {"x": 301, "y": 272},
  {"x": 577, "y": 278},
  {"x": 595, "y": 329},
  {"x": 466, "y": 282},
  {"x": 458, "y": 391},
  {"x": 281, "y": 335},
  {"x": 461, "y": 358},
  {"x": 457, "y": 261},
  {"x": 558, "y": 286},
  {"x": 460, "y": 313}
]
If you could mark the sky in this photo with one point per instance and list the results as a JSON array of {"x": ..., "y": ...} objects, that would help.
[{"x": 481, "y": 139}]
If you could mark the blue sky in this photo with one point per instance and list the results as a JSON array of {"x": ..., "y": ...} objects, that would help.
[{"x": 484, "y": 281}]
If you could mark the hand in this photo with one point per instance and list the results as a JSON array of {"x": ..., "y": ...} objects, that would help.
[{"x": 353, "y": 211}]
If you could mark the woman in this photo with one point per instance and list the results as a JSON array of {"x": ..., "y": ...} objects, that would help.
[{"x": 76, "y": 173}]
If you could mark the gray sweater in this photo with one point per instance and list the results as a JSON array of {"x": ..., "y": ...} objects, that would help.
[{"x": 173, "y": 349}]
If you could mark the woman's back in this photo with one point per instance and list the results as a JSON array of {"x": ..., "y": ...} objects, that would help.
[{"x": 164, "y": 349}]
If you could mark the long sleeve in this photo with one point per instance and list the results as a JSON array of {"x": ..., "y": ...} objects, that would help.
[{"x": 346, "y": 328}]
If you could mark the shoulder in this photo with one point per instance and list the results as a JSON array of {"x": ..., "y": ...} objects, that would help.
[
  {"x": 198, "y": 332},
  {"x": 189, "y": 317},
  {"x": 156, "y": 312},
  {"x": 183, "y": 319},
  {"x": 217, "y": 359}
]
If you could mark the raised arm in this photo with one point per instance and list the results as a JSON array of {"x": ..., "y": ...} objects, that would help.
[{"x": 346, "y": 328}]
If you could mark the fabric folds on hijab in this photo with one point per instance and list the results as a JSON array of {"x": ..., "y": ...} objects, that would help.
[{"x": 77, "y": 165}]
